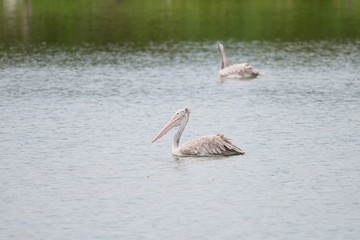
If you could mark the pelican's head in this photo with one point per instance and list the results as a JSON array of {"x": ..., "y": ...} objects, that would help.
[{"x": 181, "y": 116}]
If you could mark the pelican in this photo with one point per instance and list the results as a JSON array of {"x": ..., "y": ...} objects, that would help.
[
  {"x": 236, "y": 71},
  {"x": 213, "y": 145}
]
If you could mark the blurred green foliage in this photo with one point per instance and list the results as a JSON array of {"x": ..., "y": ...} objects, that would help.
[{"x": 69, "y": 22}]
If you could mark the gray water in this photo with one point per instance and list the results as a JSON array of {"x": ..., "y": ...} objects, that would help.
[{"x": 77, "y": 162}]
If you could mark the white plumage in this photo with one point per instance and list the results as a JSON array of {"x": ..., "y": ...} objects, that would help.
[
  {"x": 236, "y": 71},
  {"x": 213, "y": 145}
]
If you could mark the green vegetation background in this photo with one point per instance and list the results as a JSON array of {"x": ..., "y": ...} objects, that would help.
[{"x": 70, "y": 22}]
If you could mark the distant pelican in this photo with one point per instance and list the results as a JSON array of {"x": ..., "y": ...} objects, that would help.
[
  {"x": 236, "y": 71},
  {"x": 213, "y": 145}
]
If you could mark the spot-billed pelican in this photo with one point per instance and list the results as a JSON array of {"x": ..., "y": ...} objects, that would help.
[
  {"x": 213, "y": 145},
  {"x": 236, "y": 71}
]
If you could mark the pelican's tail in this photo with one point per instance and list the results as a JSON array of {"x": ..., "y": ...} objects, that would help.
[{"x": 230, "y": 146}]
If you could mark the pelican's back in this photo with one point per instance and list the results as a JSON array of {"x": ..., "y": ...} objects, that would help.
[
  {"x": 239, "y": 71},
  {"x": 210, "y": 145}
]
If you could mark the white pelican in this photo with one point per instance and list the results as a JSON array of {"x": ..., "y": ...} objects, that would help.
[
  {"x": 213, "y": 145},
  {"x": 236, "y": 71}
]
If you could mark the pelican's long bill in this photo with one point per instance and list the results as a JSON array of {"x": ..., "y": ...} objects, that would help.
[{"x": 174, "y": 122}]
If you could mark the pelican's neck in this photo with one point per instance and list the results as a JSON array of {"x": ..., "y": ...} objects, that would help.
[
  {"x": 224, "y": 61},
  {"x": 177, "y": 136}
]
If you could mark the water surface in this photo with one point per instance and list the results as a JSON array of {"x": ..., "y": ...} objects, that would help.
[
  {"x": 76, "y": 158},
  {"x": 86, "y": 85}
]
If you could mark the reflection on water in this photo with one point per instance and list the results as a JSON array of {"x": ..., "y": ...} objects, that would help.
[
  {"x": 13, "y": 10},
  {"x": 71, "y": 23},
  {"x": 76, "y": 125}
]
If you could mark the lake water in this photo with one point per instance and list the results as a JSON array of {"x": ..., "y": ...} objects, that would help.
[
  {"x": 77, "y": 118},
  {"x": 77, "y": 162}
]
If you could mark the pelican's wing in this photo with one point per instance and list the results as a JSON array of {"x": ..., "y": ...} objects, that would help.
[
  {"x": 241, "y": 71},
  {"x": 210, "y": 145}
]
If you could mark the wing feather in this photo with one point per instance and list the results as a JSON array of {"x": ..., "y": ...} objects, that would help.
[
  {"x": 240, "y": 71},
  {"x": 210, "y": 145}
]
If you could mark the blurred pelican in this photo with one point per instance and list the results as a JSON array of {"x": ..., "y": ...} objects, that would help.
[
  {"x": 213, "y": 145},
  {"x": 236, "y": 71}
]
